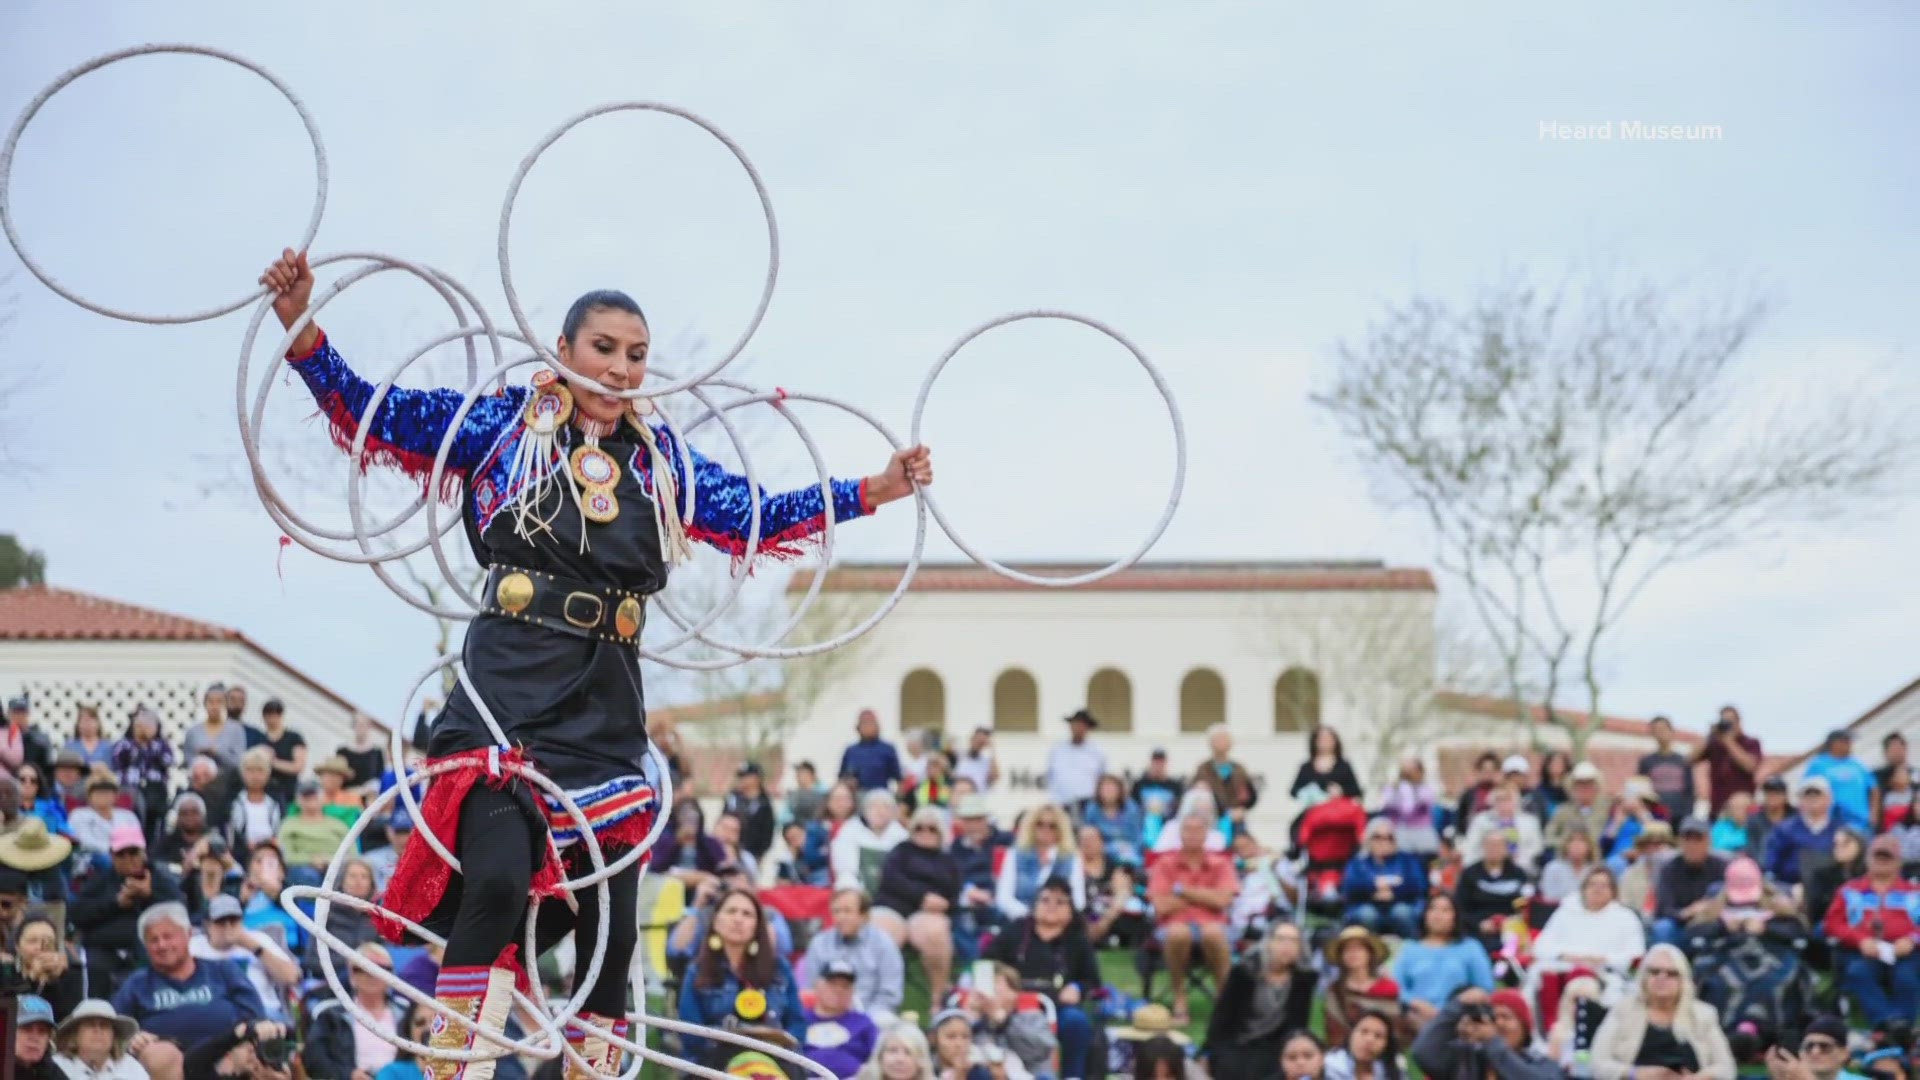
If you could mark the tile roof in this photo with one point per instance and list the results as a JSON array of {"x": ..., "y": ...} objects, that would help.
[
  {"x": 47, "y": 613},
  {"x": 1502, "y": 709},
  {"x": 1142, "y": 577}
]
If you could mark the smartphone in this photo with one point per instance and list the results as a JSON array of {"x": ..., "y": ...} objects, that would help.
[{"x": 983, "y": 976}]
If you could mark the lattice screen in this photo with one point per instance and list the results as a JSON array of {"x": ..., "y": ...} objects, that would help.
[{"x": 55, "y": 701}]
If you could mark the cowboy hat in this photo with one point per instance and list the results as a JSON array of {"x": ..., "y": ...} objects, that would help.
[
  {"x": 334, "y": 764},
  {"x": 1356, "y": 933},
  {"x": 31, "y": 848},
  {"x": 1150, "y": 1022},
  {"x": 124, "y": 1027}
]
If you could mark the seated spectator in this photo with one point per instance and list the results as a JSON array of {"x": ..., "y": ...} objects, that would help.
[
  {"x": 350, "y": 925},
  {"x": 695, "y": 927},
  {"x": 1638, "y": 807},
  {"x": 806, "y": 798},
  {"x": 189, "y": 827},
  {"x": 1044, "y": 850},
  {"x": 1385, "y": 888},
  {"x": 726, "y": 833},
  {"x": 748, "y": 801},
  {"x": 1117, "y": 817},
  {"x": 1440, "y": 963},
  {"x": 270, "y": 969},
  {"x": 1001, "y": 1027},
  {"x": 919, "y": 885},
  {"x": 111, "y": 903},
  {"x": 1480, "y": 1036},
  {"x": 934, "y": 786},
  {"x": 1746, "y": 903},
  {"x": 184, "y": 1001},
  {"x": 340, "y": 1044},
  {"x": 1303, "y": 1057},
  {"x": 94, "y": 824},
  {"x": 1731, "y": 835},
  {"x": 1872, "y": 925},
  {"x": 1822, "y": 877},
  {"x": 1824, "y": 1049},
  {"x": 1197, "y": 800},
  {"x": 1370, "y": 1052},
  {"x": 40, "y": 858},
  {"x": 35, "y": 803},
  {"x": 89, "y": 738},
  {"x": 852, "y": 939},
  {"x": 1596, "y": 933},
  {"x": 839, "y": 1036},
  {"x": 739, "y": 956},
  {"x": 1408, "y": 805},
  {"x": 836, "y": 809},
  {"x": 1808, "y": 831},
  {"x": 954, "y": 1055},
  {"x": 1563, "y": 875},
  {"x": 1547, "y": 797},
  {"x": 143, "y": 760},
  {"x": 255, "y": 816},
  {"x": 69, "y": 779},
  {"x": 1681, "y": 886},
  {"x": 1652, "y": 850},
  {"x": 900, "y": 1055},
  {"x": 93, "y": 1041},
  {"x": 788, "y": 867},
  {"x": 260, "y": 898},
  {"x": 385, "y": 857},
  {"x": 1050, "y": 951},
  {"x": 863, "y": 843},
  {"x": 1661, "y": 1031},
  {"x": 973, "y": 848},
  {"x": 1330, "y": 832},
  {"x": 1116, "y": 911},
  {"x": 1491, "y": 891},
  {"x": 337, "y": 799},
  {"x": 1268, "y": 994},
  {"x": 309, "y": 838},
  {"x": 13, "y": 901},
  {"x": 1358, "y": 985},
  {"x": 58, "y": 975},
  {"x": 405, "y": 1066},
  {"x": 208, "y": 869},
  {"x": 1443, "y": 874},
  {"x": 204, "y": 780},
  {"x": 33, "y": 1041},
  {"x": 685, "y": 852},
  {"x": 1190, "y": 892},
  {"x": 1504, "y": 817}
]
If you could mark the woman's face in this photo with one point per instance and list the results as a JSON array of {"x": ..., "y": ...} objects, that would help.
[
  {"x": 611, "y": 349},
  {"x": 1597, "y": 891},
  {"x": 736, "y": 922},
  {"x": 726, "y": 829},
  {"x": 926, "y": 834},
  {"x": 1325, "y": 743},
  {"x": 1046, "y": 830},
  {"x": 37, "y": 940},
  {"x": 1441, "y": 917},
  {"x": 357, "y": 880},
  {"x": 87, "y": 726},
  {"x": 897, "y": 1061},
  {"x": 1300, "y": 1058},
  {"x": 1109, "y": 793},
  {"x": 95, "y": 1037},
  {"x": 1368, "y": 1039},
  {"x": 1845, "y": 847},
  {"x": 1356, "y": 956},
  {"x": 420, "y": 1025},
  {"x": 1579, "y": 849},
  {"x": 839, "y": 804},
  {"x": 1092, "y": 844},
  {"x": 29, "y": 785},
  {"x": 953, "y": 1041}
]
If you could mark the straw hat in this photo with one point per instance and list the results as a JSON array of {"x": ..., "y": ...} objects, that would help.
[
  {"x": 1150, "y": 1022},
  {"x": 334, "y": 764},
  {"x": 30, "y": 848},
  {"x": 124, "y": 1028},
  {"x": 1356, "y": 933}
]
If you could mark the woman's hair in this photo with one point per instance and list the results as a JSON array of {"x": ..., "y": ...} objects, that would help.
[
  {"x": 1452, "y": 905},
  {"x": 70, "y": 1043},
  {"x": 1032, "y": 817},
  {"x": 758, "y": 967},
  {"x": 1672, "y": 954},
  {"x": 1155, "y": 1052},
  {"x": 934, "y": 816},
  {"x": 88, "y": 712},
  {"x": 1547, "y": 772},
  {"x": 1119, "y": 791},
  {"x": 1583, "y": 837},
  {"x": 597, "y": 300},
  {"x": 1601, "y": 870},
  {"x": 258, "y": 757},
  {"x": 1313, "y": 741},
  {"x": 358, "y": 863},
  {"x": 1389, "y": 1059},
  {"x": 904, "y": 1033}
]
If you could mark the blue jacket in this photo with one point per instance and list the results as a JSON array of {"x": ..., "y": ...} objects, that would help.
[
  {"x": 712, "y": 1007},
  {"x": 1852, "y": 785},
  {"x": 1788, "y": 841},
  {"x": 873, "y": 763},
  {"x": 1123, "y": 829},
  {"x": 848, "y": 1047},
  {"x": 1364, "y": 871}
]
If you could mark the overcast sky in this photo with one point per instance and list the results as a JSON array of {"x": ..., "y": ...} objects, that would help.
[{"x": 1237, "y": 186}]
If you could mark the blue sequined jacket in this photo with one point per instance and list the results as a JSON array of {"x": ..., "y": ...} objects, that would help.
[{"x": 407, "y": 430}]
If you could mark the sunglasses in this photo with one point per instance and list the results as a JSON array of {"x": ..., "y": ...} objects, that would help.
[
  {"x": 934, "y": 829},
  {"x": 1048, "y": 825},
  {"x": 1673, "y": 973},
  {"x": 1885, "y": 855},
  {"x": 1818, "y": 1045}
]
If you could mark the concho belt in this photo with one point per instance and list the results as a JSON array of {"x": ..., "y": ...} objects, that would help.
[{"x": 565, "y": 605}]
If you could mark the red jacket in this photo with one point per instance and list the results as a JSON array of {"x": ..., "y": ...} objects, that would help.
[
  {"x": 1859, "y": 913},
  {"x": 1331, "y": 831}
]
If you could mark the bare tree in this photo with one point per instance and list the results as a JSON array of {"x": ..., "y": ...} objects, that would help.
[{"x": 1567, "y": 447}]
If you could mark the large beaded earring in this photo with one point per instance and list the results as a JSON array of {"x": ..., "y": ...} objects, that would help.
[{"x": 713, "y": 942}]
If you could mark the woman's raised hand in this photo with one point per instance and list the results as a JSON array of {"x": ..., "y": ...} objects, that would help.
[{"x": 291, "y": 281}]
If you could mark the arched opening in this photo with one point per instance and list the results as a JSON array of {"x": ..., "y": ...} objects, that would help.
[
  {"x": 923, "y": 701},
  {"x": 1016, "y": 702},
  {"x": 1110, "y": 700},
  {"x": 1203, "y": 700},
  {"x": 1296, "y": 701}
]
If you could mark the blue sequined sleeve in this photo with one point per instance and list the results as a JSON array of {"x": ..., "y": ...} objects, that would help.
[
  {"x": 408, "y": 426},
  {"x": 723, "y": 509}
]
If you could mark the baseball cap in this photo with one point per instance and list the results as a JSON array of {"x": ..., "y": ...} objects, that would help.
[
  {"x": 126, "y": 838},
  {"x": 1830, "y": 1026},
  {"x": 1775, "y": 782},
  {"x": 973, "y": 806},
  {"x": 18, "y": 704},
  {"x": 35, "y": 1010},
  {"x": 223, "y": 907},
  {"x": 1839, "y": 733},
  {"x": 1159, "y": 753},
  {"x": 747, "y": 768},
  {"x": 1743, "y": 881},
  {"x": 1695, "y": 826},
  {"x": 838, "y": 969},
  {"x": 1815, "y": 783},
  {"x": 1586, "y": 770},
  {"x": 1516, "y": 763},
  {"x": 308, "y": 786},
  {"x": 400, "y": 820}
]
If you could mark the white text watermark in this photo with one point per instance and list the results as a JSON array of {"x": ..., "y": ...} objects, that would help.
[{"x": 1627, "y": 131}]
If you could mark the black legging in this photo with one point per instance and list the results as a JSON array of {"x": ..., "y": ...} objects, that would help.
[{"x": 500, "y": 846}]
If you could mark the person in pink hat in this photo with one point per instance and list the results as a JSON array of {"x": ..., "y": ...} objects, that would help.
[{"x": 107, "y": 909}]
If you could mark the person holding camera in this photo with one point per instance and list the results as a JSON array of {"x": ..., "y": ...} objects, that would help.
[
  {"x": 257, "y": 1050},
  {"x": 270, "y": 969},
  {"x": 1733, "y": 759},
  {"x": 1480, "y": 1036},
  {"x": 108, "y": 908}
]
